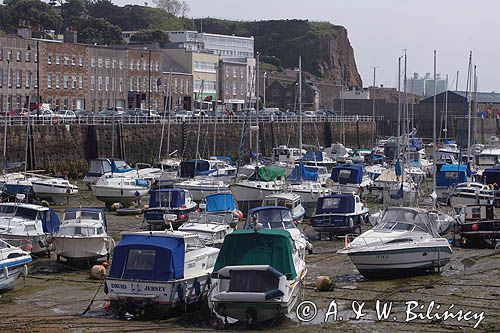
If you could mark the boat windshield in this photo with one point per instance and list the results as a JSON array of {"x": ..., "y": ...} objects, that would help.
[
  {"x": 272, "y": 219},
  {"x": 7, "y": 209},
  {"x": 27, "y": 213},
  {"x": 193, "y": 243},
  {"x": 84, "y": 215},
  {"x": 80, "y": 231},
  {"x": 401, "y": 219}
]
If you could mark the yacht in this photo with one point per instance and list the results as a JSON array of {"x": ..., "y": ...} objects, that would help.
[
  {"x": 214, "y": 168},
  {"x": 13, "y": 262},
  {"x": 404, "y": 242},
  {"x": 83, "y": 235},
  {"x": 471, "y": 193},
  {"x": 27, "y": 224},
  {"x": 258, "y": 275},
  {"x": 169, "y": 207},
  {"x": 305, "y": 183},
  {"x": 111, "y": 167},
  {"x": 122, "y": 189},
  {"x": 56, "y": 190},
  {"x": 288, "y": 200},
  {"x": 158, "y": 271},
  {"x": 203, "y": 186},
  {"x": 339, "y": 214}
]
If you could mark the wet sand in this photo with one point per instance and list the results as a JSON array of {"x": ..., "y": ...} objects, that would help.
[{"x": 54, "y": 295}]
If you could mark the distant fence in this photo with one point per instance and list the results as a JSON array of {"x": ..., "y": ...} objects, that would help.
[{"x": 142, "y": 120}]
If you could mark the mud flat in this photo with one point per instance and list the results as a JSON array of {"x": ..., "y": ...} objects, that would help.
[{"x": 54, "y": 295}]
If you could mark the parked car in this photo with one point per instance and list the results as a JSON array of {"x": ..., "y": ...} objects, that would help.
[
  {"x": 309, "y": 114},
  {"x": 65, "y": 114},
  {"x": 83, "y": 113},
  {"x": 182, "y": 115},
  {"x": 108, "y": 114},
  {"x": 42, "y": 113},
  {"x": 117, "y": 109},
  {"x": 17, "y": 113}
]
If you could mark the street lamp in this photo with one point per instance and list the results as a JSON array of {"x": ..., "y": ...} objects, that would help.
[
  {"x": 37, "y": 78},
  {"x": 265, "y": 76}
]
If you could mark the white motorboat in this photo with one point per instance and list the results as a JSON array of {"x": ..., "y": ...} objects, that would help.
[
  {"x": 337, "y": 152},
  {"x": 339, "y": 214},
  {"x": 289, "y": 200},
  {"x": 212, "y": 167},
  {"x": 121, "y": 189},
  {"x": 471, "y": 193},
  {"x": 27, "y": 224},
  {"x": 322, "y": 173},
  {"x": 258, "y": 275},
  {"x": 405, "y": 241},
  {"x": 319, "y": 159},
  {"x": 159, "y": 270},
  {"x": 310, "y": 192},
  {"x": 13, "y": 262},
  {"x": 54, "y": 189},
  {"x": 203, "y": 186},
  {"x": 250, "y": 192},
  {"x": 116, "y": 168},
  {"x": 449, "y": 175},
  {"x": 82, "y": 235}
]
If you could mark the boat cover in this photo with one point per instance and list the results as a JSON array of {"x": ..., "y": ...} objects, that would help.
[
  {"x": 273, "y": 247},
  {"x": 348, "y": 173},
  {"x": 491, "y": 176},
  {"x": 50, "y": 221},
  {"x": 12, "y": 165},
  {"x": 220, "y": 202},
  {"x": 336, "y": 203},
  {"x": 120, "y": 169},
  {"x": 145, "y": 257},
  {"x": 269, "y": 173},
  {"x": 451, "y": 174},
  {"x": 313, "y": 156},
  {"x": 300, "y": 172},
  {"x": 89, "y": 210},
  {"x": 167, "y": 197},
  {"x": 98, "y": 167},
  {"x": 192, "y": 168}
]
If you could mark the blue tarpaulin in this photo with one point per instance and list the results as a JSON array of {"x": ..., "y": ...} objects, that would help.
[
  {"x": 167, "y": 197},
  {"x": 300, "y": 172},
  {"x": 397, "y": 168},
  {"x": 336, "y": 203},
  {"x": 451, "y": 174},
  {"x": 347, "y": 173},
  {"x": 192, "y": 168},
  {"x": 50, "y": 221},
  {"x": 115, "y": 169},
  {"x": 313, "y": 156},
  {"x": 146, "y": 257},
  {"x": 220, "y": 202}
]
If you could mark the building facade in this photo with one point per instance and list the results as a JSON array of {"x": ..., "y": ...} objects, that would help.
[
  {"x": 181, "y": 81},
  {"x": 233, "y": 84}
]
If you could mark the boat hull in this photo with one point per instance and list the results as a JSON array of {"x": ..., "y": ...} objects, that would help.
[
  {"x": 199, "y": 193},
  {"x": 249, "y": 197},
  {"x": 37, "y": 242},
  {"x": 56, "y": 193},
  {"x": 125, "y": 195},
  {"x": 82, "y": 248},
  {"x": 7, "y": 282}
]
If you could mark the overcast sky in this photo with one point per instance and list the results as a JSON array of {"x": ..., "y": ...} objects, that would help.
[{"x": 380, "y": 29}]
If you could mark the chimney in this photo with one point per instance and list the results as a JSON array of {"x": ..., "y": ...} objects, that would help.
[
  {"x": 70, "y": 35},
  {"x": 24, "y": 30}
]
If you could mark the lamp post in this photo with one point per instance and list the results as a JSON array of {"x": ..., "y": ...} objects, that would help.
[
  {"x": 37, "y": 78},
  {"x": 264, "y": 102}
]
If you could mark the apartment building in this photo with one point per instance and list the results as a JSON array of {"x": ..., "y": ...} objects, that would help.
[{"x": 233, "y": 83}]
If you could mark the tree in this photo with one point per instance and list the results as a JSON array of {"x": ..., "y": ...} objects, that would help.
[
  {"x": 93, "y": 30},
  {"x": 173, "y": 7},
  {"x": 35, "y": 12},
  {"x": 148, "y": 36}
]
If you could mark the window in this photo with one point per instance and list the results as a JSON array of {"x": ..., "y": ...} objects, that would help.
[
  {"x": 131, "y": 65},
  {"x": 49, "y": 59},
  {"x": 182, "y": 86},
  {"x": 80, "y": 82},
  {"x": 19, "y": 56},
  {"x": 28, "y": 56},
  {"x": 187, "y": 87},
  {"x": 73, "y": 82},
  {"x": 1, "y": 81},
  {"x": 242, "y": 72},
  {"x": 92, "y": 62},
  {"x": 73, "y": 61},
  {"x": 131, "y": 87},
  {"x": 139, "y": 84},
  {"x": 175, "y": 85},
  {"x": 138, "y": 65},
  {"x": 99, "y": 62},
  {"x": 9, "y": 78},
  {"x": 80, "y": 61},
  {"x": 144, "y": 65},
  {"x": 113, "y": 84},
  {"x": 227, "y": 71},
  {"x": 58, "y": 60},
  {"x": 120, "y": 64},
  {"x": 28, "y": 80},
  {"x": 66, "y": 60},
  {"x": 234, "y": 71},
  {"x": 228, "y": 89},
  {"x": 140, "y": 259},
  {"x": 145, "y": 84},
  {"x": 92, "y": 82},
  {"x": 36, "y": 57},
  {"x": 66, "y": 81},
  {"x": 19, "y": 76},
  {"x": 36, "y": 80},
  {"x": 113, "y": 64},
  {"x": 106, "y": 85},
  {"x": 9, "y": 55},
  {"x": 157, "y": 66},
  {"x": 99, "y": 83},
  {"x": 58, "y": 83},
  {"x": 120, "y": 86},
  {"x": 1, "y": 54},
  {"x": 49, "y": 80},
  {"x": 106, "y": 63}
]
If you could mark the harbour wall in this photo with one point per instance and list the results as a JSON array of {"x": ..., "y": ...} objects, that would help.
[{"x": 65, "y": 149}]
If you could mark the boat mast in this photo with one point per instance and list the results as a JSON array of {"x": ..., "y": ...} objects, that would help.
[
  {"x": 445, "y": 130},
  {"x": 300, "y": 105},
  {"x": 399, "y": 109},
  {"x": 199, "y": 127},
  {"x": 434, "y": 148},
  {"x": 469, "y": 99},
  {"x": 5, "y": 123},
  {"x": 169, "y": 111},
  {"x": 167, "y": 101},
  {"x": 257, "y": 88}
]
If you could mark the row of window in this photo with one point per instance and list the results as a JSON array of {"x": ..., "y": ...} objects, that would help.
[
  {"x": 28, "y": 78},
  {"x": 68, "y": 81},
  {"x": 235, "y": 71},
  {"x": 65, "y": 60},
  {"x": 208, "y": 86},
  {"x": 113, "y": 63},
  {"x": 106, "y": 83},
  {"x": 234, "y": 87},
  {"x": 205, "y": 66},
  {"x": 141, "y": 84},
  {"x": 19, "y": 55}
]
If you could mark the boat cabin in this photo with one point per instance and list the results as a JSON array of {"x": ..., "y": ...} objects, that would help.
[
  {"x": 286, "y": 154},
  {"x": 83, "y": 222},
  {"x": 274, "y": 217},
  {"x": 347, "y": 173}
]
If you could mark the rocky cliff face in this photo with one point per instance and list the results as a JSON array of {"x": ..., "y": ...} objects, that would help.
[{"x": 337, "y": 56}]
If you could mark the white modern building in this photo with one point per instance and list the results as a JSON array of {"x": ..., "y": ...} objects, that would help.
[{"x": 424, "y": 86}]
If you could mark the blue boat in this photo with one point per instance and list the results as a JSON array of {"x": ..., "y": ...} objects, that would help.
[
  {"x": 168, "y": 206},
  {"x": 450, "y": 175},
  {"x": 349, "y": 178},
  {"x": 339, "y": 214}
]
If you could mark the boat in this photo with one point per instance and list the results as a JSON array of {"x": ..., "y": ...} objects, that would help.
[
  {"x": 57, "y": 190},
  {"x": 478, "y": 223},
  {"x": 83, "y": 235},
  {"x": 305, "y": 183},
  {"x": 13, "y": 262},
  {"x": 258, "y": 276},
  {"x": 404, "y": 193},
  {"x": 491, "y": 177},
  {"x": 203, "y": 186},
  {"x": 17, "y": 185},
  {"x": 318, "y": 158},
  {"x": 339, "y": 214},
  {"x": 471, "y": 193},
  {"x": 349, "y": 178},
  {"x": 250, "y": 192},
  {"x": 216, "y": 168},
  {"x": 487, "y": 158},
  {"x": 158, "y": 271},
  {"x": 122, "y": 189},
  {"x": 168, "y": 207},
  {"x": 323, "y": 175},
  {"x": 115, "y": 168},
  {"x": 286, "y": 157},
  {"x": 28, "y": 224},
  {"x": 404, "y": 242},
  {"x": 223, "y": 204},
  {"x": 450, "y": 175},
  {"x": 337, "y": 152},
  {"x": 358, "y": 156},
  {"x": 289, "y": 200}
]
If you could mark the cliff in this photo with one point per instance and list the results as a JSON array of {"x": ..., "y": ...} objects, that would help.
[{"x": 324, "y": 47}]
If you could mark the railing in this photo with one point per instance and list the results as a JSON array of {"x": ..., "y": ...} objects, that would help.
[{"x": 144, "y": 120}]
